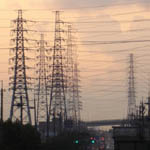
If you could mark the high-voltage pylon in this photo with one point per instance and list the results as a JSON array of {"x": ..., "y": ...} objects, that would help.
[
  {"x": 69, "y": 75},
  {"x": 20, "y": 108},
  {"x": 73, "y": 102},
  {"x": 76, "y": 94},
  {"x": 41, "y": 90},
  {"x": 76, "y": 90},
  {"x": 131, "y": 90},
  {"x": 57, "y": 108}
]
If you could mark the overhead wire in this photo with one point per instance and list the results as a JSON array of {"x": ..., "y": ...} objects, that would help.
[{"x": 108, "y": 42}]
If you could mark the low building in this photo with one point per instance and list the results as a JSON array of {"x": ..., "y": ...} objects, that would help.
[{"x": 131, "y": 138}]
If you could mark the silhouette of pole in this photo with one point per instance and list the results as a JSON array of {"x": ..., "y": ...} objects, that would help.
[
  {"x": 148, "y": 103},
  {"x": 21, "y": 110},
  {"x": 35, "y": 121},
  {"x": 2, "y": 108}
]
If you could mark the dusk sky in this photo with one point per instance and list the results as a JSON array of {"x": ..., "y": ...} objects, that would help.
[{"x": 103, "y": 64}]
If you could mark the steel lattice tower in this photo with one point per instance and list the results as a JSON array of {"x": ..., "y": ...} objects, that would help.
[
  {"x": 20, "y": 108},
  {"x": 42, "y": 92},
  {"x": 76, "y": 94},
  {"x": 57, "y": 108},
  {"x": 73, "y": 102},
  {"x": 131, "y": 90},
  {"x": 69, "y": 75},
  {"x": 76, "y": 91}
]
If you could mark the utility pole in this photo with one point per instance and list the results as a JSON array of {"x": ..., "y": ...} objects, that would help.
[
  {"x": 19, "y": 79},
  {"x": 35, "y": 114},
  {"x": 21, "y": 110},
  {"x": 131, "y": 90},
  {"x": 148, "y": 103},
  {"x": 2, "y": 108},
  {"x": 57, "y": 107}
]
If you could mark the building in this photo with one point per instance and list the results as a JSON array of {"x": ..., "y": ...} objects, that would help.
[
  {"x": 135, "y": 135},
  {"x": 131, "y": 138}
]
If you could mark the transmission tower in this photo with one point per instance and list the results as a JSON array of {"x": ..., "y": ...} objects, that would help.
[
  {"x": 131, "y": 90},
  {"x": 57, "y": 108},
  {"x": 42, "y": 91},
  {"x": 72, "y": 80},
  {"x": 20, "y": 108},
  {"x": 69, "y": 75},
  {"x": 76, "y": 90},
  {"x": 76, "y": 94}
]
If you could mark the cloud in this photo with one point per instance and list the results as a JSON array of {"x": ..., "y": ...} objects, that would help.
[{"x": 54, "y": 4}]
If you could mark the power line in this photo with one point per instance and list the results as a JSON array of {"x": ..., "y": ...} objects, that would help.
[{"x": 111, "y": 42}]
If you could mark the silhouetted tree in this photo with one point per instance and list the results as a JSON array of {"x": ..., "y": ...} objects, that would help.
[{"x": 19, "y": 137}]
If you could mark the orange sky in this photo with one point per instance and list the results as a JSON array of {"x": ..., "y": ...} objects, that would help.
[{"x": 98, "y": 64}]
